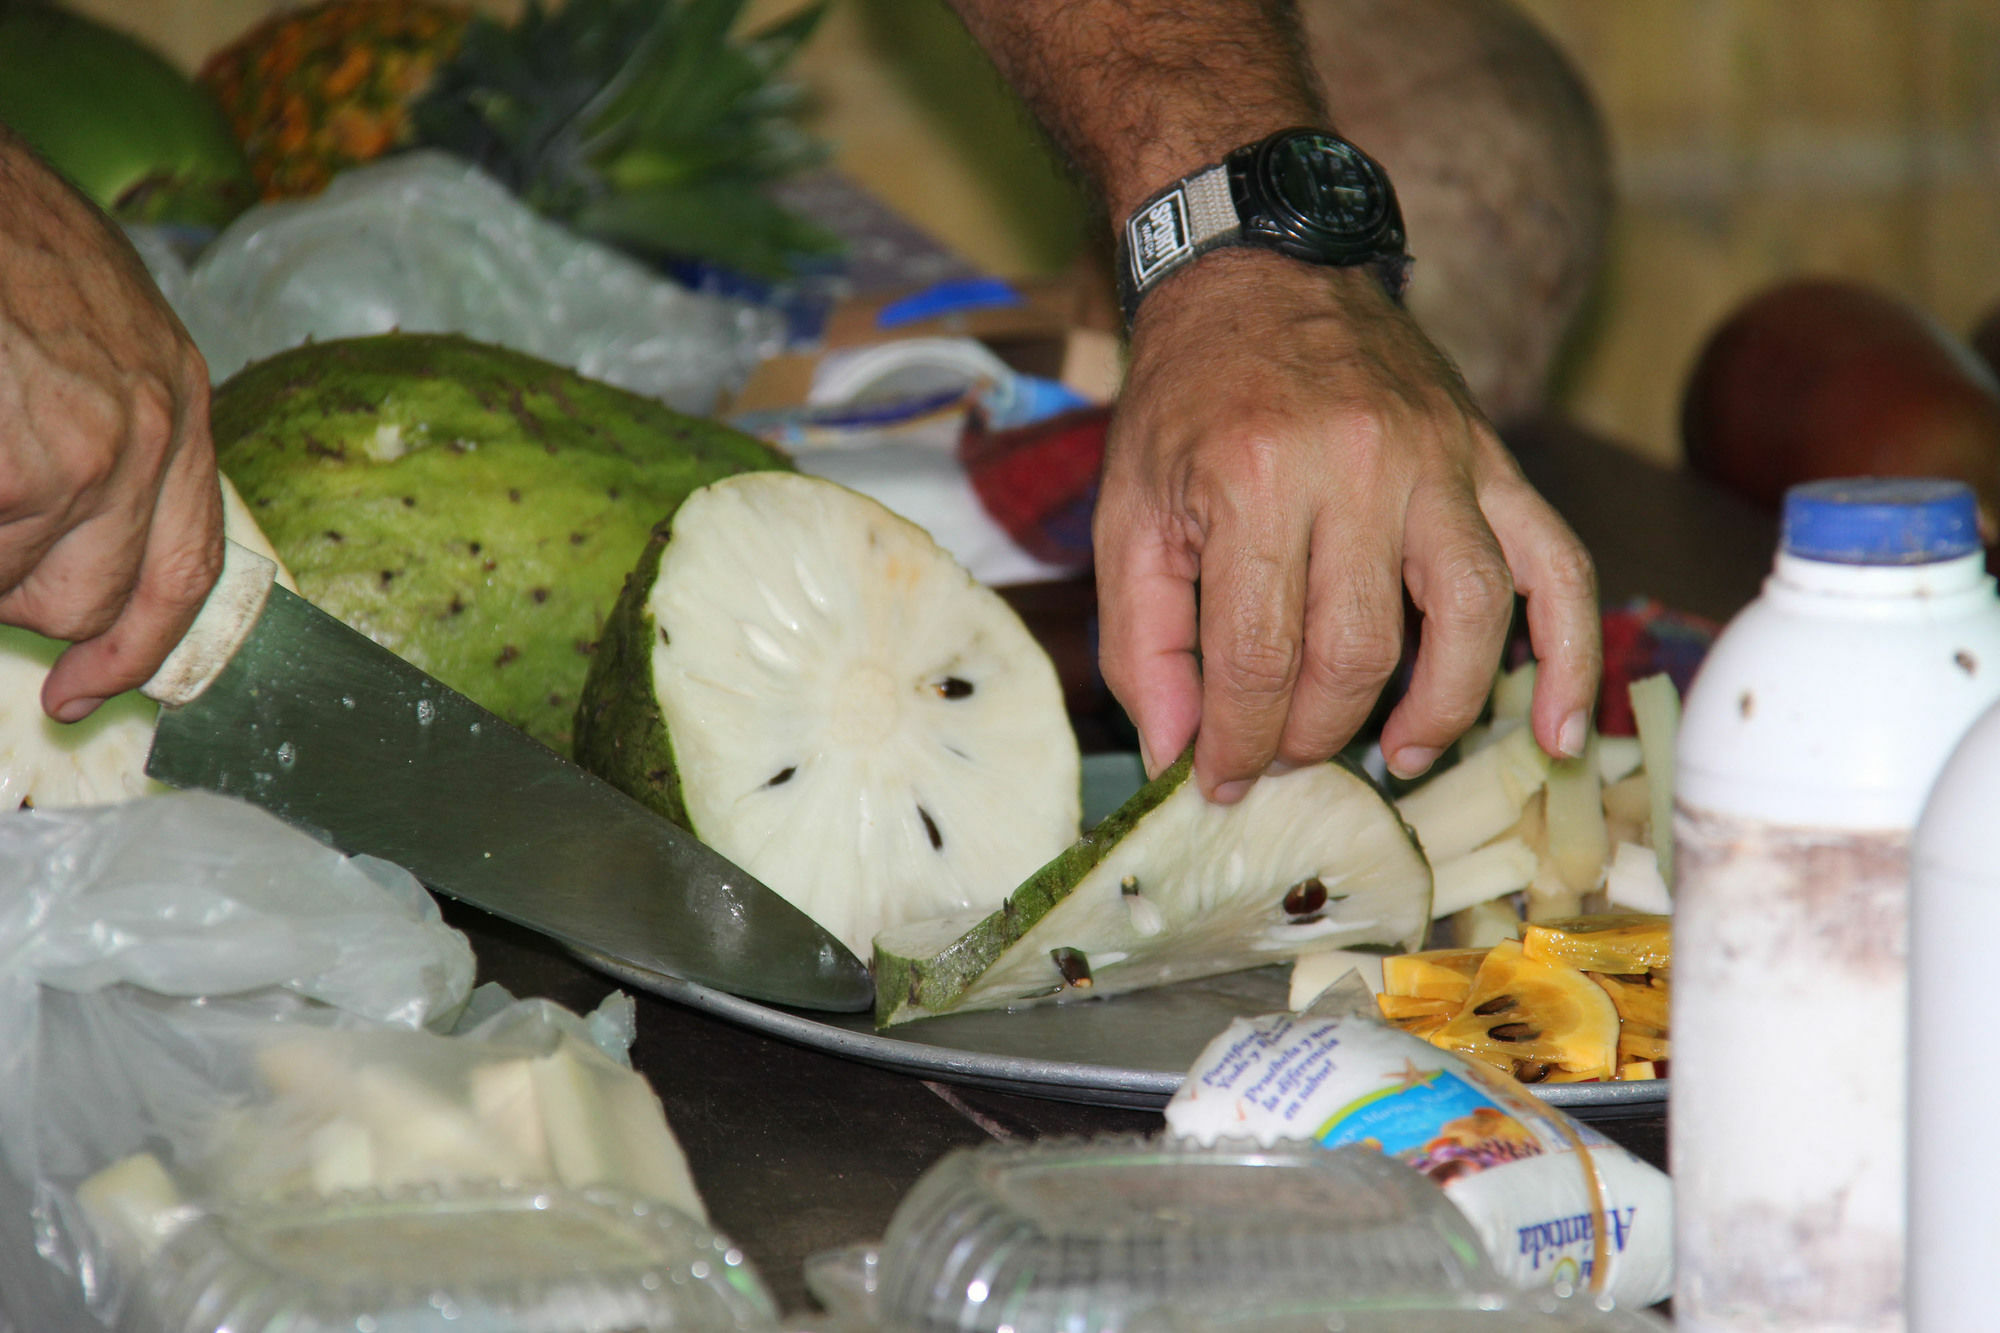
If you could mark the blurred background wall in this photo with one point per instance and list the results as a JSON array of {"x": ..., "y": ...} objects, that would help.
[{"x": 1754, "y": 140}]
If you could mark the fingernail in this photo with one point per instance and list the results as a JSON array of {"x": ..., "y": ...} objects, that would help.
[
  {"x": 76, "y": 710},
  {"x": 1575, "y": 732},
  {"x": 1280, "y": 767},
  {"x": 1413, "y": 761},
  {"x": 1146, "y": 759},
  {"x": 1229, "y": 793}
]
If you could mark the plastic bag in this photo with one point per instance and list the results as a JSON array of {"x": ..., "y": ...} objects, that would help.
[
  {"x": 1557, "y": 1204},
  {"x": 200, "y": 1004},
  {"x": 427, "y": 243}
]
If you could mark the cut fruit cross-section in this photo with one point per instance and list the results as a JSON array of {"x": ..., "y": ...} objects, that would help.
[{"x": 819, "y": 692}]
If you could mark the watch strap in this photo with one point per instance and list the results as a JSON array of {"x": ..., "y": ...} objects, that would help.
[
  {"x": 1190, "y": 217},
  {"x": 1199, "y": 213}
]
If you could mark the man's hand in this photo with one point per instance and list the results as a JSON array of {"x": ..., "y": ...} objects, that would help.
[
  {"x": 1289, "y": 453},
  {"x": 110, "y": 510}
]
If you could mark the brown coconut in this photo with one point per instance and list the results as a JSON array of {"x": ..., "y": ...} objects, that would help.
[
  {"x": 1820, "y": 378},
  {"x": 1501, "y": 164}
]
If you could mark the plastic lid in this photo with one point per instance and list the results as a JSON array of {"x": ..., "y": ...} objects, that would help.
[
  {"x": 1549, "y": 1315},
  {"x": 1881, "y": 521},
  {"x": 457, "y": 1259},
  {"x": 1045, "y": 1237}
]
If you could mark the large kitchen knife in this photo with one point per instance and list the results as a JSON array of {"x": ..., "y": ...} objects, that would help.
[{"x": 269, "y": 699}]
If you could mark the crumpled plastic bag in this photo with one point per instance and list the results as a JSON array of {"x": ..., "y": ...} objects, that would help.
[
  {"x": 191, "y": 985},
  {"x": 427, "y": 243}
]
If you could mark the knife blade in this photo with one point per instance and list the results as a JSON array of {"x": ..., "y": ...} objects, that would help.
[{"x": 270, "y": 699}]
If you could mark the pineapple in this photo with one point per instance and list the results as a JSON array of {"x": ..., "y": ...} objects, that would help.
[
  {"x": 818, "y": 691},
  {"x": 310, "y": 92},
  {"x": 642, "y": 123}
]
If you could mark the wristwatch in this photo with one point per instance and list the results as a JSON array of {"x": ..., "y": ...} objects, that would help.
[{"x": 1303, "y": 192}]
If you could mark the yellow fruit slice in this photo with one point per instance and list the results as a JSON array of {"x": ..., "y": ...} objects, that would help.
[
  {"x": 1524, "y": 1009},
  {"x": 1426, "y": 1028},
  {"x": 1637, "y": 999},
  {"x": 1409, "y": 1006},
  {"x": 1434, "y": 974},
  {"x": 1625, "y": 943},
  {"x": 1637, "y": 1043},
  {"x": 1638, "y": 1069}
]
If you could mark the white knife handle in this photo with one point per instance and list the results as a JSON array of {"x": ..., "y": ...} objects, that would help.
[{"x": 219, "y": 628}]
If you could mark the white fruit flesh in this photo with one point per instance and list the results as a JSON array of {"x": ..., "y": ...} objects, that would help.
[
  {"x": 853, "y": 719},
  {"x": 1477, "y": 798},
  {"x": 48, "y": 764},
  {"x": 1309, "y": 861}
]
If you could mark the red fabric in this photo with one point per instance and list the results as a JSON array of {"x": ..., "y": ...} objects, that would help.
[
  {"x": 1643, "y": 638},
  {"x": 1039, "y": 481}
]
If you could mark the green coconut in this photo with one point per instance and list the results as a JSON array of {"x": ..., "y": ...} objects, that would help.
[
  {"x": 1172, "y": 887},
  {"x": 472, "y": 509},
  {"x": 136, "y": 135}
]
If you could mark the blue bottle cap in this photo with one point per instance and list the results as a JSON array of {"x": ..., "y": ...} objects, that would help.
[{"x": 1881, "y": 520}]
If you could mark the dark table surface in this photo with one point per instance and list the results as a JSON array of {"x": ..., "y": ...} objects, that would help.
[{"x": 797, "y": 1151}]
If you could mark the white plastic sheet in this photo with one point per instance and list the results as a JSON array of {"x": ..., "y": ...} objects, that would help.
[{"x": 427, "y": 243}]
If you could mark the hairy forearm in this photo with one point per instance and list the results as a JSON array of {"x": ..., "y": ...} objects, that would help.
[{"x": 1136, "y": 93}]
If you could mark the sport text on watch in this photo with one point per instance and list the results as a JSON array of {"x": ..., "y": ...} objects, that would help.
[{"x": 1303, "y": 192}]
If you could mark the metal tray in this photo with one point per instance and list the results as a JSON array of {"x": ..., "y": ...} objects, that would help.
[{"x": 1128, "y": 1050}]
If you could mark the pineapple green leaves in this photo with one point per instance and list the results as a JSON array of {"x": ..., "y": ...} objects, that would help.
[{"x": 643, "y": 123}]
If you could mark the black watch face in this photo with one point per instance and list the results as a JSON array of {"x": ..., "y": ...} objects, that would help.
[{"x": 1324, "y": 186}]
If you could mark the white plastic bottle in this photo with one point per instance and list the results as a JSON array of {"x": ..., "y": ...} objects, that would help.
[
  {"x": 1954, "y": 1231},
  {"x": 1808, "y": 743}
]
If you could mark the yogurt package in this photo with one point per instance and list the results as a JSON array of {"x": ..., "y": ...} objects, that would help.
[{"x": 1556, "y": 1204}]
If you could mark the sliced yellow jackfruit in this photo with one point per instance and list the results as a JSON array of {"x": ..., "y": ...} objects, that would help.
[
  {"x": 1625, "y": 943},
  {"x": 1527, "y": 1011},
  {"x": 1434, "y": 974}
]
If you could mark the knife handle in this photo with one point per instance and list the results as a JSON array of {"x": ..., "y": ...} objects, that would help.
[{"x": 219, "y": 628}]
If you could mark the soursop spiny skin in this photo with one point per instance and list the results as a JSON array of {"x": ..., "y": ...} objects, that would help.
[
  {"x": 1171, "y": 887},
  {"x": 470, "y": 508},
  {"x": 816, "y": 689}
]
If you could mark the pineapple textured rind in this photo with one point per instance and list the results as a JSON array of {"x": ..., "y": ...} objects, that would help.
[
  {"x": 468, "y": 507},
  {"x": 1171, "y": 887}
]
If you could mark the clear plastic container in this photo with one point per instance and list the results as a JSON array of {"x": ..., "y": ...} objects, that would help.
[
  {"x": 1550, "y": 1316},
  {"x": 471, "y": 1259},
  {"x": 1118, "y": 1232},
  {"x": 1810, "y": 738}
]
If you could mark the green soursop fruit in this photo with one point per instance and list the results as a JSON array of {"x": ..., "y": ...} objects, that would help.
[
  {"x": 1171, "y": 887},
  {"x": 468, "y": 507},
  {"x": 821, "y": 693}
]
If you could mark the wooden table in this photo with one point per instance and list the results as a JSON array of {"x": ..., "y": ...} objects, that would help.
[{"x": 797, "y": 1151}]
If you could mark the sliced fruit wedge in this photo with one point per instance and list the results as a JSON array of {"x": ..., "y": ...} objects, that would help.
[
  {"x": 1434, "y": 974},
  {"x": 1171, "y": 887},
  {"x": 1637, "y": 999},
  {"x": 1409, "y": 1006},
  {"x": 821, "y": 693},
  {"x": 1525, "y": 1012},
  {"x": 1622, "y": 943}
]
